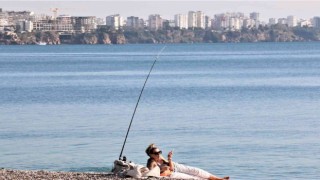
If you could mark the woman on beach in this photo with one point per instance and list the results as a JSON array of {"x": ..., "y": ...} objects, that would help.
[{"x": 173, "y": 169}]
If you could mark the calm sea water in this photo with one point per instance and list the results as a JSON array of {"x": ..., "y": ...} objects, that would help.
[{"x": 250, "y": 111}]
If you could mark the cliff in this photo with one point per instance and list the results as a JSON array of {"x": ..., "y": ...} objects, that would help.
[{"x": 277, "y": 33}]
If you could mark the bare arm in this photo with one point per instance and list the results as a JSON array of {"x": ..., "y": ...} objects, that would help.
[
  {"x": 151, "y": 164},
  {"x": 170, "y": 160}
]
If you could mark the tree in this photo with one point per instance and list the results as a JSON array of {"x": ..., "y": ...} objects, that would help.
[{"x": 308, "y": 34}]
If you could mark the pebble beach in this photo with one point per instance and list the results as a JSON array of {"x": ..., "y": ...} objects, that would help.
[{"x": 8, "y": 174}]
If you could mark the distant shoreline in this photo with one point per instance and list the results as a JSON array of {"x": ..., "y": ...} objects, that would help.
[{"x": 277, "y": 33}]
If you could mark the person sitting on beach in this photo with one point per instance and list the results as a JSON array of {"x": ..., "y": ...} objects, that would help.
[{"x": 175, "y": 170}]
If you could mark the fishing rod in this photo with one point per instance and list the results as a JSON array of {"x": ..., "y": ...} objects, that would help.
[{"x": 135, "y": 109}]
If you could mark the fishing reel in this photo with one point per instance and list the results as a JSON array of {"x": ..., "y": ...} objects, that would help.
[{"x": 124, "y": 158}]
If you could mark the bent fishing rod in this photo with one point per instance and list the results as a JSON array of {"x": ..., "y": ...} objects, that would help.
[{"x": 135, "y": 109}]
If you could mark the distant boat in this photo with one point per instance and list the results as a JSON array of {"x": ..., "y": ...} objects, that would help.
[{"x": 42, "y": 43}]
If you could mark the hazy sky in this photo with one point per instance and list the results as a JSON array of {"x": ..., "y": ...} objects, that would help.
[{"x": 167, "y": 9}]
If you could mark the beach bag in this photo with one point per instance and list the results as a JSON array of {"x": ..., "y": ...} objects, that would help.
[
  {"x": 120, "y": 168},
  {"x": 130, "y": 169}
]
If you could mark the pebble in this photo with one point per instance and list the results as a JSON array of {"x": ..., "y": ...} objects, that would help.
[{"x": 7, "y": 174}]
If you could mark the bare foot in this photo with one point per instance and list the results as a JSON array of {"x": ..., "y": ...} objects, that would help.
[{"x": 217, "y": 178}]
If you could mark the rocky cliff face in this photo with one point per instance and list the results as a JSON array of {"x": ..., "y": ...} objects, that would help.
[
  {"x": 9, "y": 38},
  {"x": 118, "y": 38},
  {"x": 28, "y": 38},
  {"x": 49, "y": 37},
  {"x": 106, "y": 38},
  {"x": 264, "y": 34}
]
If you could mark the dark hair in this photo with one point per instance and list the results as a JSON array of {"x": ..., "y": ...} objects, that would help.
[{"x": 150, "y": 149}]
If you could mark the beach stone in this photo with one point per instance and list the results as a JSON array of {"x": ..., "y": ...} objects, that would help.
[{"x": 8, "y": 174}]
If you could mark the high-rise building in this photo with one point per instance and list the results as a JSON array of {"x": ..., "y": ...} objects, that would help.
[
  {"x": 234, "y": 23},
  {"x": 155, "y": 22},
  {"x": 196, "y": 19},
  {"x": 192, "y": 19},
  {"x": 316, "y": 22},
  {"x": 221, "y": 21},
  {"x": 207, "y": 22},
  {"x": 114, "y": 21},
  {"x": 24, "y": 25},
  {"x": 292, "y": 21},
  {"x": 200, "y": 21},
  {"x": 84, "y": 23},
  {"x": 181, "y": 21},
  {"x": 28, "y": 26},
  {"x": 230, "y": 21},
  {"x": 134, "y": 22}
]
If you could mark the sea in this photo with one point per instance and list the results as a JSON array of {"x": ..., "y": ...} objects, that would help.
[{"x": 244, "y": 110}]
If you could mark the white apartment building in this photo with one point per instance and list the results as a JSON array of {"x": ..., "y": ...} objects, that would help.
[
  {"x": 64, "y": 19},
  {"x": 42, "y": 25},
  {"x": 115, "y": 21},
  {"x": 303, "y": 23},
  {"x": 181, "y": 21},
  {"x": 84, "y": 23},
  {"x": 234, "y": 23},
  {"x": 201, "y": 20},
  {"x": 292, "y": 21},
  {"x": 155, "y": 22},
  {"x": 29, "y": 26},
  {"x": 196, "y": 19},
  {"x": 64, "y": 23},
  {"x": 192, "y": 19},
  {"x": 24, "y": 25},
  {"x": 64, "y": 27},
  {"x": 231, "y": 21}
]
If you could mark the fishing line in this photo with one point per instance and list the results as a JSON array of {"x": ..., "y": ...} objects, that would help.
[{"x": 135, "y": 109}]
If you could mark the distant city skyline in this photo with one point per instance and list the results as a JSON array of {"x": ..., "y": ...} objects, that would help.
[{"x": 167, "y": 9}]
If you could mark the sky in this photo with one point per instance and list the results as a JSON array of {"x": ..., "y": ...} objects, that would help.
[{"x": 167, "y": 9}]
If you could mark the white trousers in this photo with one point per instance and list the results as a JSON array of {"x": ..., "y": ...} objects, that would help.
[{"x": 188, "y": 172}]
